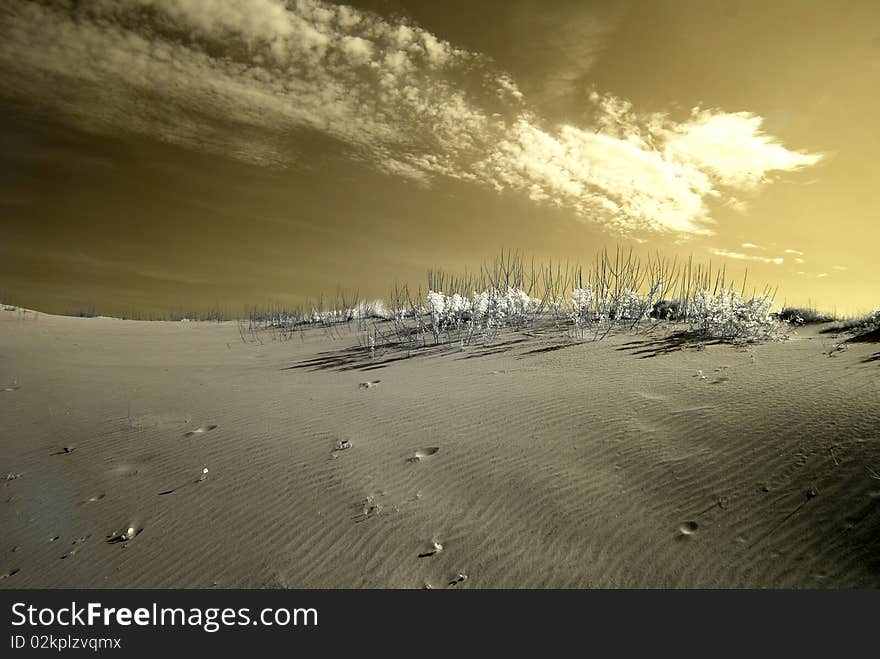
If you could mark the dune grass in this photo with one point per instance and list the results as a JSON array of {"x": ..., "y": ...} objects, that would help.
[
  {"x": 860, "y": 326},
  {"x": 619, "y": 292},
  {"x": 804, "y": 316},
  {"x": 857, "y": 324}
]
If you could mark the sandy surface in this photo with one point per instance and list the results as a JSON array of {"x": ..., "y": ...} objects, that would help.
[{"x": 610, "y": 464}]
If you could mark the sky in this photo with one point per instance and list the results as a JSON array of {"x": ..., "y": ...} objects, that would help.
[{"x": 179, "y": 155}]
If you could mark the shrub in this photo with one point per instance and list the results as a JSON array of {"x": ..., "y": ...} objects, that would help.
[
  {"x": 666, "y": 310},
  {"x": 483, "y": 313},
  {"x": 619, "y": 292},
  {"x": 373, "y": 309},
  {"x": 861, "y": 324},
  {"x": 727, "y": 314},
  {"x": 802, "y": 316}
]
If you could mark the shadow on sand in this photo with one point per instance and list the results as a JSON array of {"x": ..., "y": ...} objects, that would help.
[
  {"x": 358, "y": 358},
  {"x": 550, "y": 348},
  {"x": 868, "y": 337},
  {"x": 668, "y": 344}
]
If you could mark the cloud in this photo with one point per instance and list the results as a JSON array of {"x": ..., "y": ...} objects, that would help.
[
  {"x": 751, "y": 246},
  {"x": 594, "y": 173},
  {"x": 736, "y": 205},
  {"x": 732, "y": 147},
  {"x": 745, "y": 257},
  {"x": 794, "y": 251},
  {"x": 245, "y": 78},
  {"x": 840, "y": 268}
]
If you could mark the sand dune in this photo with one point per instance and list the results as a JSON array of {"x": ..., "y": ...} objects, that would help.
[{"x": 636, "y": 461}]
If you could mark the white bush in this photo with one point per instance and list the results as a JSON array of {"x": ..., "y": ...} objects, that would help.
[
  {"x": 581, "y": 311},
  {"x": 373, "y": 309},
  {"x": 631, "y": 306},
  {"x": 484, "y": 312},
  {"x": 587, "y": 306},
  {"x": 728, "y": 315}
]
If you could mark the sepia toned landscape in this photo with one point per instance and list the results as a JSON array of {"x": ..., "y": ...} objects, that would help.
[
  {"x": 322, "y": 454},
  {"x": 424, "y": 295}
]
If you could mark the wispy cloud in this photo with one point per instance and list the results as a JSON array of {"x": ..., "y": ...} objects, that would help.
[
  {"x": 243, "y": 77},
  {"x": 736, "y": 205},
  {"x": 840, "y": 268},
  {"x": 751, "y": 246},
  {"x": 745, "y": 257},
  {"x": 794, "y": 251},
  {"x": 732, "y": 147}
]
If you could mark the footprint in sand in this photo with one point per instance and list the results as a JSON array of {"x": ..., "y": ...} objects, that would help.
[
  {"x": 12, "y": 477},
  {"x": 371, "y": 508},
  {"x": 459, "y": 578},
  {"x": 15, "y": 388},
  {"x": 369, "y": 385},
  {"x": 341, "y": 445},
  {"x": 686, "y": 530},
  {"x": 11, "y": 573},
  {"x": 423, "y": 453},
  {"x": 124, "y": 536},
  {"x": 65, "y": 450},
  {"x": 436, "y": 548},
  {"x": 94, "y": 499},
  {"x": 201, "y": 430},
  {"x": 203, "y": 476}
]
